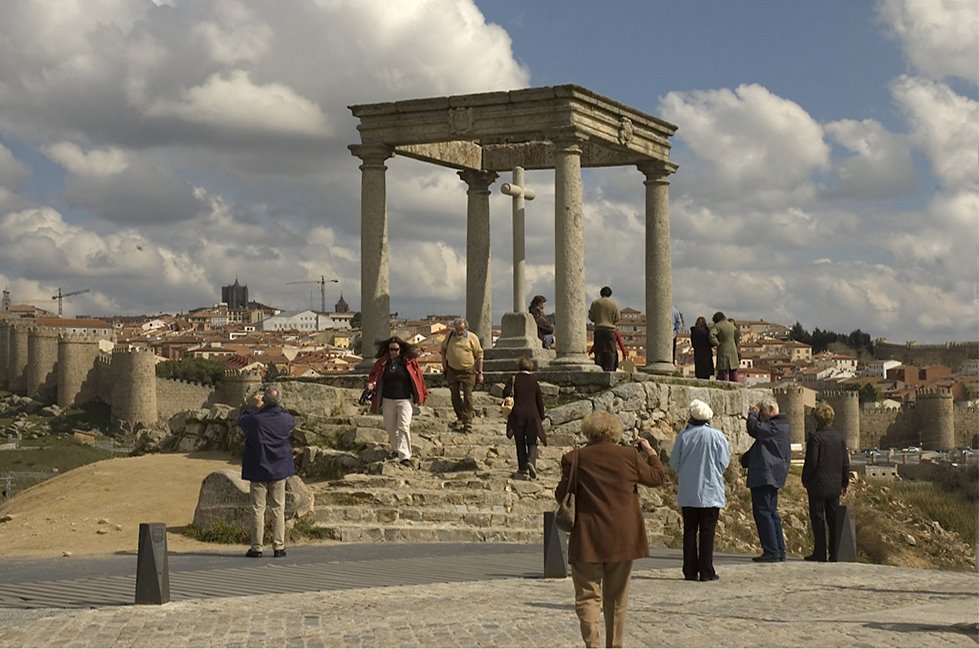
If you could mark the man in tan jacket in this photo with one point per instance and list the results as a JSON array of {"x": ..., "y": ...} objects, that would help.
[
  {"x": 462, "y": 364},
  {"x": 604, "y": 312}
]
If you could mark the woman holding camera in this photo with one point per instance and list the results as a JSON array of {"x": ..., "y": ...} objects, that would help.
[
  {"x": 397, "y": 382},
  {"x": 609, "y": 531}
]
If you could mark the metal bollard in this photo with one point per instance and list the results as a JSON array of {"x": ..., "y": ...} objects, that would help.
[
  {"x": 555, "y": 548},
  {"x": 152, "y": 570}
]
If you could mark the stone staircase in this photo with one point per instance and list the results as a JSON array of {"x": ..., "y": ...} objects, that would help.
[{"x": 460, "y": 487}]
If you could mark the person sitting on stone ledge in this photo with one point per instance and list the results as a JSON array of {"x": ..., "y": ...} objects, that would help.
[{"x": 545, "y": 330}]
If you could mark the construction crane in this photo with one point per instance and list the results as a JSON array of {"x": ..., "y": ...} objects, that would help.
[
  {"x": 61, "y": 296},
  {"x": 322, "y": 281}
]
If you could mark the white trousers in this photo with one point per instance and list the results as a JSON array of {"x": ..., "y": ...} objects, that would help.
[
  {"x": 397, "y": 421},
  {"x": 277, "y": 491}
]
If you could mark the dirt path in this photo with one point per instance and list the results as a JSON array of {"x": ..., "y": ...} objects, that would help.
[{"x": 97, "y": 508}]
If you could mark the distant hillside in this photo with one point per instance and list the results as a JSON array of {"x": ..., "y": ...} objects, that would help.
[{"x": 950, "y": 355}]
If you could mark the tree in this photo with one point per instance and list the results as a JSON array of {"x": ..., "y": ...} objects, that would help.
[
  {"x": 870, "y": 393},
  {"x": 799, "y": 334},
  {"x": 197, "y": 370},
  {"x": 355, "y": 321}
]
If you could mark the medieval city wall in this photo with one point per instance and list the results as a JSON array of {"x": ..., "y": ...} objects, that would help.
[
  {"x": 173, "y": 396},
  {"x": 77, "y": 369},
  {"x": 950, "y": 354},
  {"x": 4, "y": 351},
  {"x": 42, "y": 361},
  {"x": 17, "y": 358},
  {"x": 966, "y": 424}
]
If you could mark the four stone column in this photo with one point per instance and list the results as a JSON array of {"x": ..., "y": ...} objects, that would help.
[
  {"x": 659, "y": 272},
  {"x": 569, "y": 257},
  {"x": 375, "y": 287},
  {"x": 478, "y": 285}
]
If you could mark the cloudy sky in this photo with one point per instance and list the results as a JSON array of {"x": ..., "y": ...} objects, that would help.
[{"x": 152, "y": 151}]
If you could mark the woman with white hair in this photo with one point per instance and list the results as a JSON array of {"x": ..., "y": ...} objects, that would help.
[
  {"x": 768, "y": 467},
  {"x": 700, "y": 456}
]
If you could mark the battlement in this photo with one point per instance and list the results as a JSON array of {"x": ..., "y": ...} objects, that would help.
[
  {"x": 839, "y": 394},
  {"x": 43, "y": 332},
  {"x": 194, "y": 384},
  {"x": 83, "y": 339},
  {"x": 789, "y": 390},
  {"x": 933, "y": 393},
  {"x": 131, "y": 352}
]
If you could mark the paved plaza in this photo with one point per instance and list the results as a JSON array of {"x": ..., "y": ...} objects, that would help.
[{"x": 471, "y": 595}]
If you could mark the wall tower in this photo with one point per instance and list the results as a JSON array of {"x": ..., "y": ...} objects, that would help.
[
  {"x": 17, "y": 359},
  {"x": 846, "y": 405},
  {"x": 134, "y": 387},
  {"x": 935, "y": 418},
  {"x": 77, "y": 355},
  {"x": 42, "y": 363},
  {"x": 791, "y": 402}
]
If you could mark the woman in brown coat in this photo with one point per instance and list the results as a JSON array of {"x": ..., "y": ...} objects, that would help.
[
  {"x": 609, "y": 531},
  {"x": 525, "y": 423}
]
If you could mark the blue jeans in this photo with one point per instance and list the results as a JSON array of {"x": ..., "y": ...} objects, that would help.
[{"x": 764, "y": 507}]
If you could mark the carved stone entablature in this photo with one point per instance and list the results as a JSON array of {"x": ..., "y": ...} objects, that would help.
[
  {"x": 625, "y": 130},
  {"x": 461, "y": 120}
]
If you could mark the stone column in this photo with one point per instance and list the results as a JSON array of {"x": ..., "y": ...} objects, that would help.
[
  {"x": 569, "y": 258},
  {"x": 659, "y": 273},
  {"x": 375, "y": 287},
  {"x": 478, "y": 285}
]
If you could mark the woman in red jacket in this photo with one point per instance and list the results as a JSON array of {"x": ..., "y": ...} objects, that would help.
[{"x": 397, "y": 382}]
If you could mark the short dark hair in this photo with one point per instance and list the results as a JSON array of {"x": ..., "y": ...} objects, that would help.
[
  {"x": 718, "y": 317},
  {"x": 606, "y": 291}
]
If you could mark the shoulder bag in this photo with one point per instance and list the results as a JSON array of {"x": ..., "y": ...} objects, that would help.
[
  {"x": 506, "y": 407},
  {"x": 564, "y": 517}
]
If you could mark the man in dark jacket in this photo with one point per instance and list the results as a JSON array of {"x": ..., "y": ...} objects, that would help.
[
  {"x": 266, "y": 463},
  {"x": 825, "y": 475},
  {"x": 768, "y": 467}
]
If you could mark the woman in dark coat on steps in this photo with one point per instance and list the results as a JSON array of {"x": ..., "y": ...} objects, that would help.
[
  {"x": 703, "y": 356},
  {"x": 525, "y": 423}
]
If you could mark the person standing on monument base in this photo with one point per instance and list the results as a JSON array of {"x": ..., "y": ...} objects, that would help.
[
  {"x": 677, "y": 328},
  {"x": 700, "y": 455},
  {"x": 703, "y": 353},
  {"x": 397, "y": 382},
  {"x": 768, "y": 467},
  {"x": 462, "y": 364},
  {"x": 266, "y": 463},
  {"x": 826, "y": 476},
  {"x": 725, "y": 337},
  {"x": 604, "y": 313}
]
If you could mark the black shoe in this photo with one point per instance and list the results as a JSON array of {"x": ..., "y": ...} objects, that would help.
[
  {"x": 765, "y": 558},
  {"x": 254, "y": 554},
  {"x": 694, "y": 578},
  {"x": 713, "y": 577},
  {"x": 781, "y": 559},
  {"x": 279, "y": 553},
  {"x": 406, "y": 463},
  {"x": 813, "y": 557}
]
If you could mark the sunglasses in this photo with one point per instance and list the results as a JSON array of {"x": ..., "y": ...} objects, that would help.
[{"x": 394, "y": 349}]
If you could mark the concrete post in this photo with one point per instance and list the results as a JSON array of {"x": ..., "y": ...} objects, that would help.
[
  {"x": 478, "y": 284},
  {"x": 569, "y": 258},
  {"x": 520, "y": 193},
  {"x": 375, "y": 287},
  {"x": 659, "y": 272}
]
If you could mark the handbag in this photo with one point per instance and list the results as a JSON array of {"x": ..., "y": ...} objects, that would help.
[
  {"x": 506, "y": 406},
  {"x": 366, "y": 397},
  {"x": 564, "y": 516}
]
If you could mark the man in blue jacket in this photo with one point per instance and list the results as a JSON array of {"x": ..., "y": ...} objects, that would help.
[
  {"x": 266, "y": 463},
  {"x": 768, "y": 467},
  {"x": 700, "y": 455}
]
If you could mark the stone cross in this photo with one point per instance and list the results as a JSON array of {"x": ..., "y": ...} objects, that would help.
[{"x": 519, "y": 193}]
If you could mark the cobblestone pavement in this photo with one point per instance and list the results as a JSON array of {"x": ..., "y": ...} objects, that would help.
[{"x": 793, "y": 604}]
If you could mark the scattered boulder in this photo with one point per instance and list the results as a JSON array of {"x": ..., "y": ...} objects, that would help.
[{"x": 224, "y": 499}]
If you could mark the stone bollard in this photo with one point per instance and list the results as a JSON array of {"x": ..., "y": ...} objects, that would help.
[
  {"x": 555, "y": 548},
  {"x": 846, "y": 535},
  {"x": 152, "y": 570}
]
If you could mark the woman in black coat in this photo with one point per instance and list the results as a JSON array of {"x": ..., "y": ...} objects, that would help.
[
  {"x": 703, "y": 357},
  {"x": 525, "y": 423}
]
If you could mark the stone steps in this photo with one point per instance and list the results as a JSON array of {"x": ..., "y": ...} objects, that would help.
[{"x": 461, "y": 487}]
